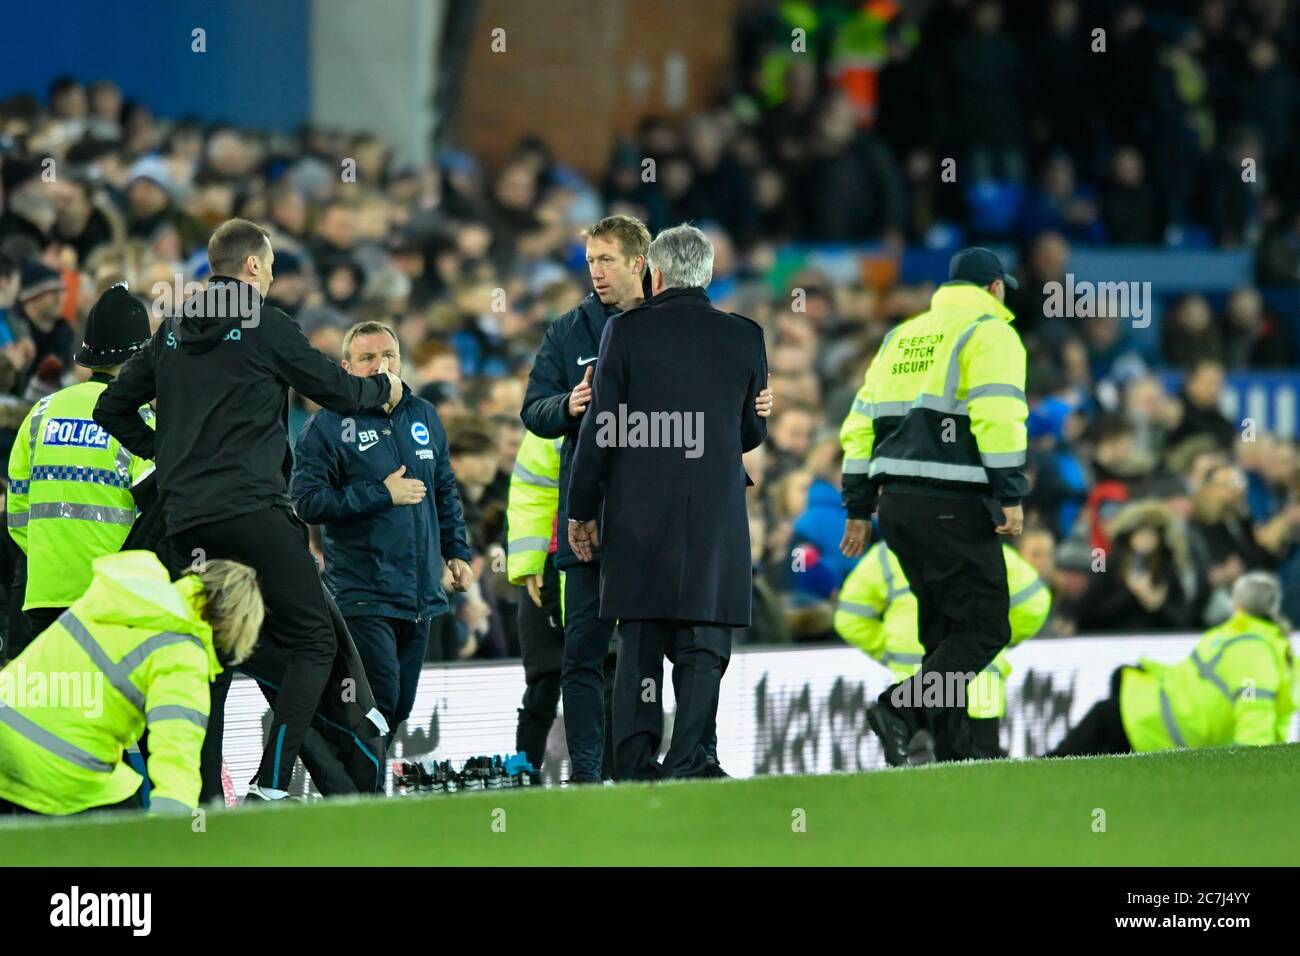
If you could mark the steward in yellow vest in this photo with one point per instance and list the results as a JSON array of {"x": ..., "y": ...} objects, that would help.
[
  {"x": 530, "y": 561},
  {"x": 1236, "y": 689},
  {"x": 134, "y": 651},
  {"x": 938, "y": 431},
  {"x": 70, "y": 481},
  {"x": 877, "y": 614}
]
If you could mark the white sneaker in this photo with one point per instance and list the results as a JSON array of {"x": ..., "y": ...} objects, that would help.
[{"x": 265, "y": 794}]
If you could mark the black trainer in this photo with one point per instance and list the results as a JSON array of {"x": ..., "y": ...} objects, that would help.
[{"x": 894, "y": 733}]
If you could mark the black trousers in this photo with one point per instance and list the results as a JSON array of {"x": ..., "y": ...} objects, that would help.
[
  {"x": 392, "y": 652},
  {"x": 953, "y": 561},
  {"x": 274, "y": 543},
  {"x": 1101, "y": 731},
  {"x": 582, "y": 674},
  {"x": 541, "y": 645},
  {"x": 700, "y": 653},
  {"x": 18, "y": 630}
]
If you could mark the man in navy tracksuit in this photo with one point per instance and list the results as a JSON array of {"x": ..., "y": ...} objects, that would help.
[
  {"x": 366, "y": 479},
  {"x": 559, "y": 391}
]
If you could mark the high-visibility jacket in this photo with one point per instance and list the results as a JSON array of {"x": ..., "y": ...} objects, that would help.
[
  {"x": 942, "y": 405},
  {"x": 877, "y": 613},
  {"x": 1235, "y": 688},
  {"x": 133, "y": 651},
  {"x": 69, "y": 495},
  {"x": 532, "y": 505}
]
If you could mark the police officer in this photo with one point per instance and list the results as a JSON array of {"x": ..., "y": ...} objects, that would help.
[
  {"x": 70, "y": 480},
  {"x": 382, "y": 489},
  {"x": 877, "y": 614},
  {"x": 1235, "y": 689},
  {"x": 938, "y": 431}
]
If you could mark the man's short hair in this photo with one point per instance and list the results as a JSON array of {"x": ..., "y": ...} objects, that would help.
[
  {"x": 232, "y": 243},
  {"x": 367, "y": 328},
  {"x": 630, "y": 233},
  {"x": 684, "y": 256}
]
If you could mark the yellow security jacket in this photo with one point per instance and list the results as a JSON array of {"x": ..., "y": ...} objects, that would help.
[
  {"x": 877, "y": 613},
  {"x": 1235, "y": 688},
  {"x": 532, "y": 505},
  {"x": 69, "y": 495},
  {"x": 942, "y": 405},
  {"x": 133, "y": 651}
]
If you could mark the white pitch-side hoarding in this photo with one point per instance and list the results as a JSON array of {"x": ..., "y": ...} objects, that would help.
[{"x": 786, "y": 710}]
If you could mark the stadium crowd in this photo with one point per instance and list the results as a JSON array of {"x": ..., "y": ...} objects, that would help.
[{"x": 843, "y": 143}]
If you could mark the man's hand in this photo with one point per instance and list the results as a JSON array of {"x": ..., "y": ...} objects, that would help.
[
  {"x": 856, "y": 533},
  {"x": 534, "y": 584},
  {"x": 461, "y": 575},
  {"x": 394, "y": 387},
  {"x": 1015, "y": 522},
  {"x": 404, "y": 491},
  {"x": 583, "y": 538},
  {"x": 763, "y": 404},
  {"x": 580, "y": 397}
]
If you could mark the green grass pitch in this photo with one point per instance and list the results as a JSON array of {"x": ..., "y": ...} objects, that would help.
[{"x": 1212, "y": 807}]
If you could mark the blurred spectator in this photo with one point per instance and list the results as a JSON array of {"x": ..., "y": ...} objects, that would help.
[
  {"x": 1062, "y": 205},
  {"x": 1199, "y": 401},
  {"x": 1254, "y": 339},
  {"x": 1229, "y": 541},
  {"x": 1143, "y": 584},
  {"x": 1190, "y": 334},
  {"x": 989, "y": 88},
  {"x": 1129, "y": 206}
]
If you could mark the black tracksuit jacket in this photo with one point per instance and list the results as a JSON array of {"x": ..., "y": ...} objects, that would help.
[{"x": 221, "y": 373}]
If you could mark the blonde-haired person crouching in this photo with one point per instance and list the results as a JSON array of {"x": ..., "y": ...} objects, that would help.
[{"x": 135, "y": 651}]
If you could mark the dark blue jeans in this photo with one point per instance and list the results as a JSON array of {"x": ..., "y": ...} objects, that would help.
[
  {"x": 582, "y": 679},
  {"x": 392, "y": 651}
]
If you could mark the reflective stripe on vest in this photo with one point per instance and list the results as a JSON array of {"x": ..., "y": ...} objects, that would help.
[
  {"x": 177, "y": 712},
  {"x": 861, "y": 610},
  {"x": 153, "y": 643},
  {"x": 887, "y": 570},
  {"x": 523, "y": 474},
  {"x": 66, "y": 509},
  {"x": 119, "y": 674},
  {"x": 1167, "y": 713},
  {"x": 98, "y": 476},
  {"x": 1208, "y": 670},
  {"x": 1025, "y": 593},
  {"x": 118, "y": 678},
  {"x": 519, "y": 545},
  {"x": 896, "y": 657},
  {"x": 901, "y": 468},
  {"x": 48, "y": 741}
]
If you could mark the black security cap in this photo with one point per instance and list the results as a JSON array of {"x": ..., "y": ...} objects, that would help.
[{"x": 980, "y": 266}]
